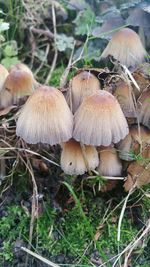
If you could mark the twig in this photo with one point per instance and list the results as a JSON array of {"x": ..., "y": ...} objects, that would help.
[
  {"x": 43, "y": 61},
  {"x": 122, "y": 213},
  {"x": 64, "y": 76},
  {"x": 135, "y": 243},
  {"x": 55, "y": 46},
  {"x": 131, "y": 77},
  {"x": 46, "y": 33},
  {"x": 50, "y": 263}
]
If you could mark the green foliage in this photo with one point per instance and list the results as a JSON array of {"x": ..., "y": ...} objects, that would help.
[
  {"x": 64, "y": 42},
  {"x": 84, "y": 21},
  {"x": 13, "y": 224}
]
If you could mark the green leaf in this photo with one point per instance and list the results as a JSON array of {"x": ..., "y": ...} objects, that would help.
[
  {"x": 84, "y": 21},
  {"x": 63, "y": 42},
  {"x": 10, "y": 50},
  {"x": 8, "y": 61}
]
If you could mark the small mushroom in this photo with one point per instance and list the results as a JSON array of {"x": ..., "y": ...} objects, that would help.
[
  {"x": 138, "y": 138},
  {"x": 82, "y": 85},
  {"x": 99, "y": 120},
  {"x": 144, "y": 108},
  {"x": 124, "y": 95},
  {"x": 110, "y": 164},
  {"x": 139, "y": 171},
  {"x": 73, "y": 161},
  {"x": 126, "y": 47},
  {"x": 45, "y": 118},
  {"x": 18, "y": 84}
]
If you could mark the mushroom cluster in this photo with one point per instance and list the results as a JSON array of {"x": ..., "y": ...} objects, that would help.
[{"x": 102, "y": 124}]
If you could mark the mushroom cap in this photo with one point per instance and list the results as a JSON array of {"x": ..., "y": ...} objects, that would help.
[
  {"x": 144, "y": 108},
  {"x": 140, "y": 134},
  {"x": 110, "y": 164},
  {"x": 19, "y": 83},
  {"x": 126, "y": 47},
  {"x": 82, "y": 85},
  {"x": 45, "y": 118},
  {"x": 123, "y": 93},
  {"x": 139, "y": 171},
  {"x": 24, "y": 67},
  {"x": 72, "y": 159},
  {"x": 3, "y": 75},
  {"x": 99, "y": 120}
]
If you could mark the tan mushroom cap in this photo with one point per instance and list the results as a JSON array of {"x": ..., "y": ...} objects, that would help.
[
  {"x": 139, "y": 171},
  {"x": 99, "y": 120},
  {"x": 72, "y": 159},
  {"x": 124, "y": 95},
  {"x": 126, "y": 47},
  {"x": 45, "y": 118},
  {"x": 82, "y": 85},
  {"x": 18, "y": 84},
  {"x": 23, "y": 67},
  {"x": 138, "y": 138},
  {"x": 3, "y": 75},
  {"x": 144, "y": 108},
  {"x": 110, "y": 164}
]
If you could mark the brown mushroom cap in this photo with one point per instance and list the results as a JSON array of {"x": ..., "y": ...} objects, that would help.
[
  {"x": 123, "y": 93},
  {"x": 137, "y": 137},
  {"x": 82, "y": 85},
  {"x": 126, "y": 47},
  {"x": 99, "y": 120},
  {"x": 72, "y": 159},
  {"x": 3, "y": 75},
  {"x": 45, "y": 118},
  {"x": 144, "y": 108},
  {"x": 18, "y": 84},
  {"x": 139, "y": 171},
  {"x": 110, "y": 164}
]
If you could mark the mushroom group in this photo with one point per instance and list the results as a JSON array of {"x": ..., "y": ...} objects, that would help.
[{"x": 101, "y": 124}]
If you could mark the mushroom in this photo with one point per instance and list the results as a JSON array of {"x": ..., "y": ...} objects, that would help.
[
  {"x": 45, "y": 118},
  {"x": 138, "y": 138},
  {"x": 126, "y": 47},
  {"x": 82, "y": 85},
  {"x": 73, "y": 161},
  {"x": 139, "y": 171},
  {"x": 144, "y": 108},
  {"x": 110, "y": 164},
  {"x": 18, "y": 84},
  {"x": 99, "y": 120},
  {"x": 124, "y": 95},
  {"x": 3, "y": 75},
  {"x": 24, "y": 67}
]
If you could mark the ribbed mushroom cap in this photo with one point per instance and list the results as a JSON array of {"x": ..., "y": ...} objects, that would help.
[
  {"x": 3, "y": 75},
  {"x": 123, "y": 93},
  {"x": 110, "y": 164},
  {"x": 99, "y": 120},
  {"x": 18, "y": 84},
  {"x": 144, "y": 108},
  {"x": 72, "y": 159},
  {"x": 45, "y": 118},
  {"x": 126, "y": 47},
  {"x": 82, "y": 85},
  {"x": 23, "y": 67},
  {"x": 139, "y": 171}
]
